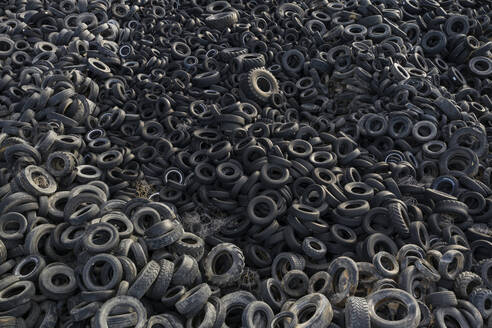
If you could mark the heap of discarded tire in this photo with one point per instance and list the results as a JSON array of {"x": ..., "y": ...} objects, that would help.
[{"x": 251, "y": 164}]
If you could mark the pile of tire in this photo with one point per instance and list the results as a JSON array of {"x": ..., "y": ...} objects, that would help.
[{"x": 265, "y": 163}]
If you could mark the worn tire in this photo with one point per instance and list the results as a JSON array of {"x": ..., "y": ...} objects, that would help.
[
  {"x": 357, "y": 313},
  {"x": 228, "y": 272}
]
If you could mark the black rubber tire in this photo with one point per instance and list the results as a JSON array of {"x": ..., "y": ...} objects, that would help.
[
  {"x": 249, "y": 61},
  {"x": 399, "y": 218},
  {"x": 260, "y": 85}
]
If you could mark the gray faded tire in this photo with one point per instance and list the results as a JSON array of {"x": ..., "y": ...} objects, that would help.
[
  {"x": 205, "y": 318},
  {"x": 161, "y": 283},
  {"x": 471, "y": 313},
  {"x": 284, "y": 262},
  {"x": 167, "y": 238},
  {"x": 144, "y": 280},
  {"x": 16, "y": 294},
  {"x": 450, "y": 313},
  {"x": 484, "y": 267},
  {"x": 194, "y": 300},
  {"x": 441, "y": 299},
  {"x": 272, "y": 293},
  {"x": 222, "y": 20},
  {"x": 384, "y": 296},
  {"x": 163, "y": 320},
  {"x": 295, "y": 283},
  {"x": 357, "y": 313},
  {"x": 425, "y": 314},
  {"x": 313, "y": 310},
  {"x": 465, "y": 283},
  {"x": 220, "y": 311},
  {"x": 257, "y": 314},
  {"x": 320, "y": 282},
  {"x": 343, "y": 268},
  {"x": 451, "y": 264},
  {"x": 259, "y": 84},
  {"x": 224, "y": 264},
  {"x": 186, "y": 271},
  {"x": 102, "y": 315},
  {"x": 189, "y": 244},
  {"x": 235, "y": 301},
  {"x": 482, "y": 299},
  {"x": 285, "y": 319}
]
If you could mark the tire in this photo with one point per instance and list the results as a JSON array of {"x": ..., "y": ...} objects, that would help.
[
  {"x": 230, "y": 271},
  {"x": 482, "y": 298},
  {"x": 222, "y": 20},
  {"x": 484, "y": 267},
  {"x": 189, "y": 244},
  {"x": 229, "y": 54},
  {"x": 259, "y": 85},
  {"x": 357, "y": 313},
  {"x": 450, "y": 313},
  {"x": 411, "y": 320},
  {"x": 449, "y": 258},
  {"x": 325, "y": 287},
  {"x": 442, "y": 299},
  {"x": 465, "y": 283},
  {"x": 194, "y": 300},
  {"x": 351, "y": 274},
  {"x": 399, "y": 218},
  {"x": 257, "y": 314},
  {"x": 102, "y": 315},
  {"x": 301, "y": 283},
  {"x": 272, "y": 293},
  {"x": 206, "y": 318},
  {"x": 161, "y": 283},
  {"x": 144, "y": 280},
  {"x": 49, "y": 274},
  {"x": 322, "y": 315},
  {"x": 248, "y": 61},
  {"x": 186, "y": 271},
  {"x": 238, "y": 301}
]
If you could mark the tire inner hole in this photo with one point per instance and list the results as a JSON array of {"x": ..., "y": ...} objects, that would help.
[
  {"x": 306, "y": 313},
  {"x": 391, "y": 310},
  {"x": 60, "y": 279},
  {"x": 264, "y": 84},
  {"x": 222, "y": 263}
]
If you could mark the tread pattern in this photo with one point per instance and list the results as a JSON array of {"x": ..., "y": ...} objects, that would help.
[
  {"x": 465, "y": 283},
  {"x": 357, "y": 313},
  {"x": 250, "y": 87}
]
